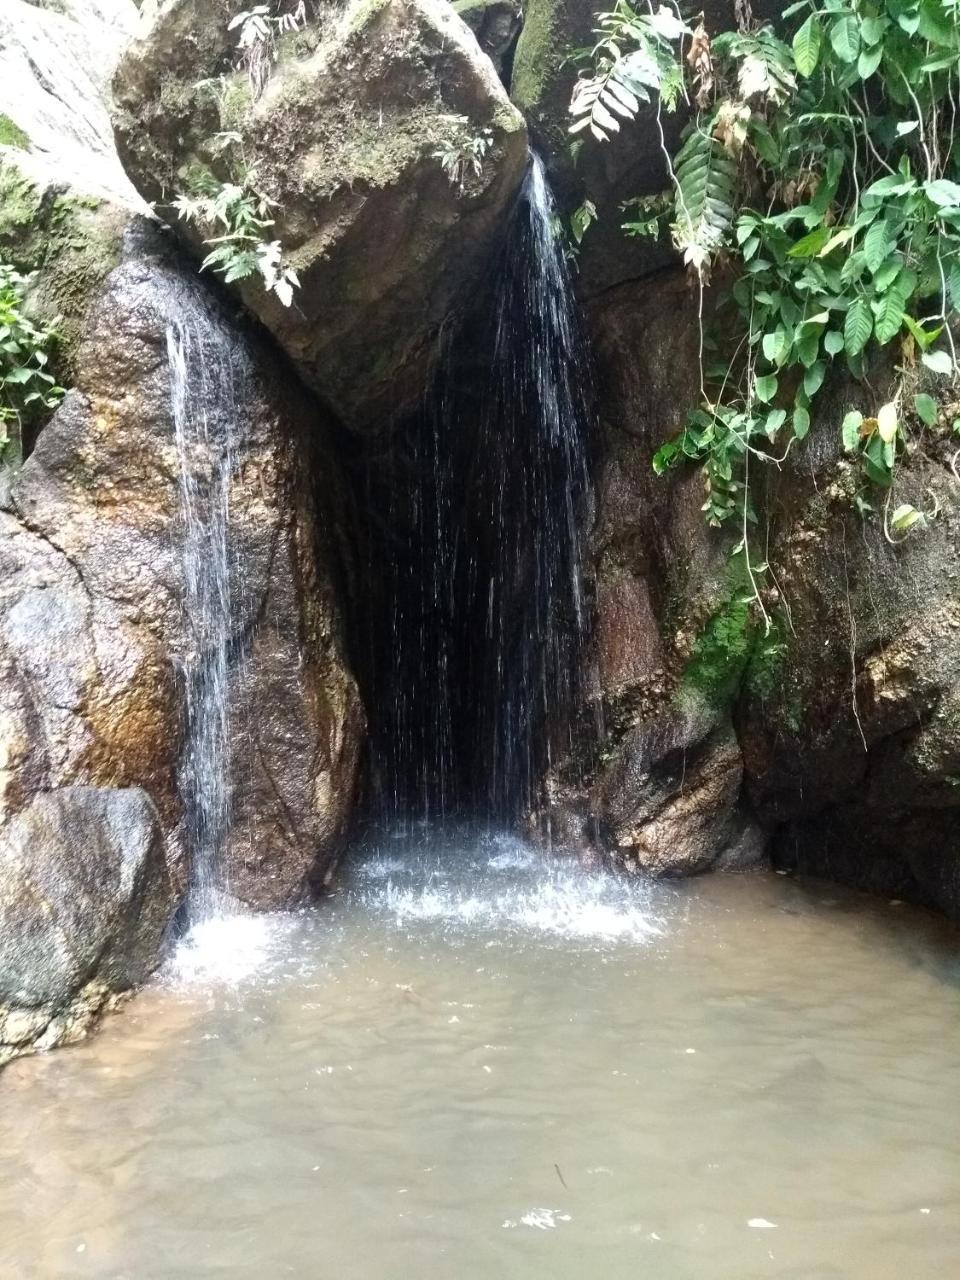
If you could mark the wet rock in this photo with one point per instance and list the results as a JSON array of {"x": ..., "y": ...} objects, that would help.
[
  {"x": 85, "y": 900},
  {"x": 343, "y": 136},
  {"x": 93, "y": 632},
  {"x": 849, "y": 716}
]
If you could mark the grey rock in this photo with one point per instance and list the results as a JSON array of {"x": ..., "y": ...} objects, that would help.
[{"x": 85, "y": 900}]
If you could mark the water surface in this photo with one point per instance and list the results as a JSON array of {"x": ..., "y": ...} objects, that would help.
[{"x": 472, "y": 1065}]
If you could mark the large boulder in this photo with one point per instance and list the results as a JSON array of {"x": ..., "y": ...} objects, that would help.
[
  {"x": 85, "y": 900},
  {"x": 345, "y": 137},
  {"x": 94, "y": 634}
]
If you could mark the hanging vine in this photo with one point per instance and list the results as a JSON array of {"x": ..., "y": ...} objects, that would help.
[{"x": 836, "y": 145}]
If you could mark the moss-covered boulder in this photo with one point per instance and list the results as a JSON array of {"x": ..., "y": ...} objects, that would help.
[
  {"x": 346, "y": 137},
  {"x": 64, "y": 198}
]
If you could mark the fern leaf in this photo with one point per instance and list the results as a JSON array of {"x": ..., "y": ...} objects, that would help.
[{"x": 706, "y": 181}]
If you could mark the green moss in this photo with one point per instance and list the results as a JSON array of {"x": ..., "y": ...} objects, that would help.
[
  {"x": 19, "y": 205},
  {"x": 11, "y": 135},
  {"x": 236, "y": 99},
  {"x": 720, "y": 654},
  {"x": 537, "y": 58}
]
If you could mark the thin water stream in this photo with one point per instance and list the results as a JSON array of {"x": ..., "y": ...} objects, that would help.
[{"x": 473, "y": 1064}]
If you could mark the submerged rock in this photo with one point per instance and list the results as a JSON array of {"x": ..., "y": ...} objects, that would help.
[
  {"x": 85, "y": 900},
  {"x": 93, "y": 632},
  {"x": 343, "y": 131}
]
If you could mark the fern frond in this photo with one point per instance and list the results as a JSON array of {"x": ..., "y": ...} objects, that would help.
[{"x": 706, "y": 181}]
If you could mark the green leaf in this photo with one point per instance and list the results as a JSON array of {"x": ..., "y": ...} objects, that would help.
[
  {"x": 845, "y": 38},
  {"x": 905, "y": 517},
  {"x": 872, "y": 29},
  {"x": 877, "y": 245},
  {"x": 813, "y": 378},
  {"x": 665, "y": 457},
  {"x": 926, "y": 408},
  {"x": 833, "y": 342},
  {"x": 774, "y": 421},
  {"x": 765, "y": 388},
  {"x": 868, "y": 61},
  {"x": 810, "y": 245},
  {"x": 857, "y": 327},
  {"x": 889, "y": 317},
  {"x": 801, "y": 422},
  {"x": 775, "y": 346},
  {"x": 938, "y": 361},
  {"x": 942, "y": 192},
  {"x": 887, "y": 424},
  {"x": 850, "y": 430},
  {"x": 806, "y": 46}
]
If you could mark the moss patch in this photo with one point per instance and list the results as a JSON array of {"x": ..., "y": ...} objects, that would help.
[
  {"x": 11, "y": 135},
  {"x": 538, "y": 57}
]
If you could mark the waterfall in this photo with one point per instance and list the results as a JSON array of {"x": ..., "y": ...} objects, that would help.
[
  {"x": 207, "y": 389},
  {"x": 474, "y": 605}
]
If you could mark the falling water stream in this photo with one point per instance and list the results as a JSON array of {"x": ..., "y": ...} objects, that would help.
[
  {"x": 474, "y": 1062},
  {"x": 207, "y": 377}
]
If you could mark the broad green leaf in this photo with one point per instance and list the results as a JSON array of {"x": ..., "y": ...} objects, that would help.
[
  {"x": 889, "y": 317},
  {"x": 765, "y": 388},
  {"x": 843, "y": 236},
  {"x": 887, "y": 421},
  {"x": 810, "y": 245},
  {"x": 833, "y": 342},
  {"x": 877, "y": 244},
  {"x": 872, "y": 29},
  {"x": 813, "y": 378},
  {"x": 857, "y": 327},
  {"x": 905, "y": 517},
  {"x": 775, "y": 346},
  {"x": 774, "y": 421},
  {"x": 845, "y": 38},
  {"x": 665, "y": 456},
  {"x": 850, "y": 430},
  {"x": 801, "y": 422},
  {"x": 926, "y": 408},
  {"x": 868, "y": 61},
  {"x": 938, "y": 361},
  {"x": 806, "y": 46},
  {"x": 942, "y": 192}
]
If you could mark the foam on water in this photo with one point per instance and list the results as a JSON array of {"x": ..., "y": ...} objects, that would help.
[
  {"x": 500, "y": 884},
  {"x": 227, "y": 949}
]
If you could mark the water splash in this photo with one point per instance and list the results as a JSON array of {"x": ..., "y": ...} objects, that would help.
[{"x": 208, "y": 377}]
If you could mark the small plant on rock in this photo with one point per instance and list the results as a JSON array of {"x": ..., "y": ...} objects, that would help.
[
  {"x": 258, "y": 30},
  {"x": 27, "y": 388},
  {"x": 242, "y": 250},
  {"x": 464, "y": 154}
]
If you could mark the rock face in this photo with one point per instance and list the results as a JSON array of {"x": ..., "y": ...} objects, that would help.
[
  {"x": 64, "y": 198},
  {"x": 849, "y": 717},
  {"x": 669, "y": 640},
  {"x": 344, "y": 137},
  {"x": 85, "y": 899},
  {"x": 95, "y": 640}
]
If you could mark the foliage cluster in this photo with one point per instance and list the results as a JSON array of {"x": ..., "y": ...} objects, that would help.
[
  {"x": 27, "y": 387},
  {"x": 242, "y": 215},
  {"x": 258, "y": 30},
  {"x": 836, "y": 148},
  {"x": 463, "y": 154}
]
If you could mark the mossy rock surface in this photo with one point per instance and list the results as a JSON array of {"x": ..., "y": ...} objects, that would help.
[{"x": 345, "y": 138}]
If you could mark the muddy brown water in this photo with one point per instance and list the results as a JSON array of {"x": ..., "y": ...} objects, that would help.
[{"x": 474, "y": 1065}]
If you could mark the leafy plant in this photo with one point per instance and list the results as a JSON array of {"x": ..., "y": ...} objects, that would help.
[
  {"x": 242, "y": 250},
  {"x": 257, "y": 32},
  {"x": 464, "y": 153},
  {"x": 837, "y": 148},
  {"x": 27, "y": 387}
]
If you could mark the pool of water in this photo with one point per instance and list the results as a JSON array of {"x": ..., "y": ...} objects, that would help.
[{"x": 474, "y": 1064}]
